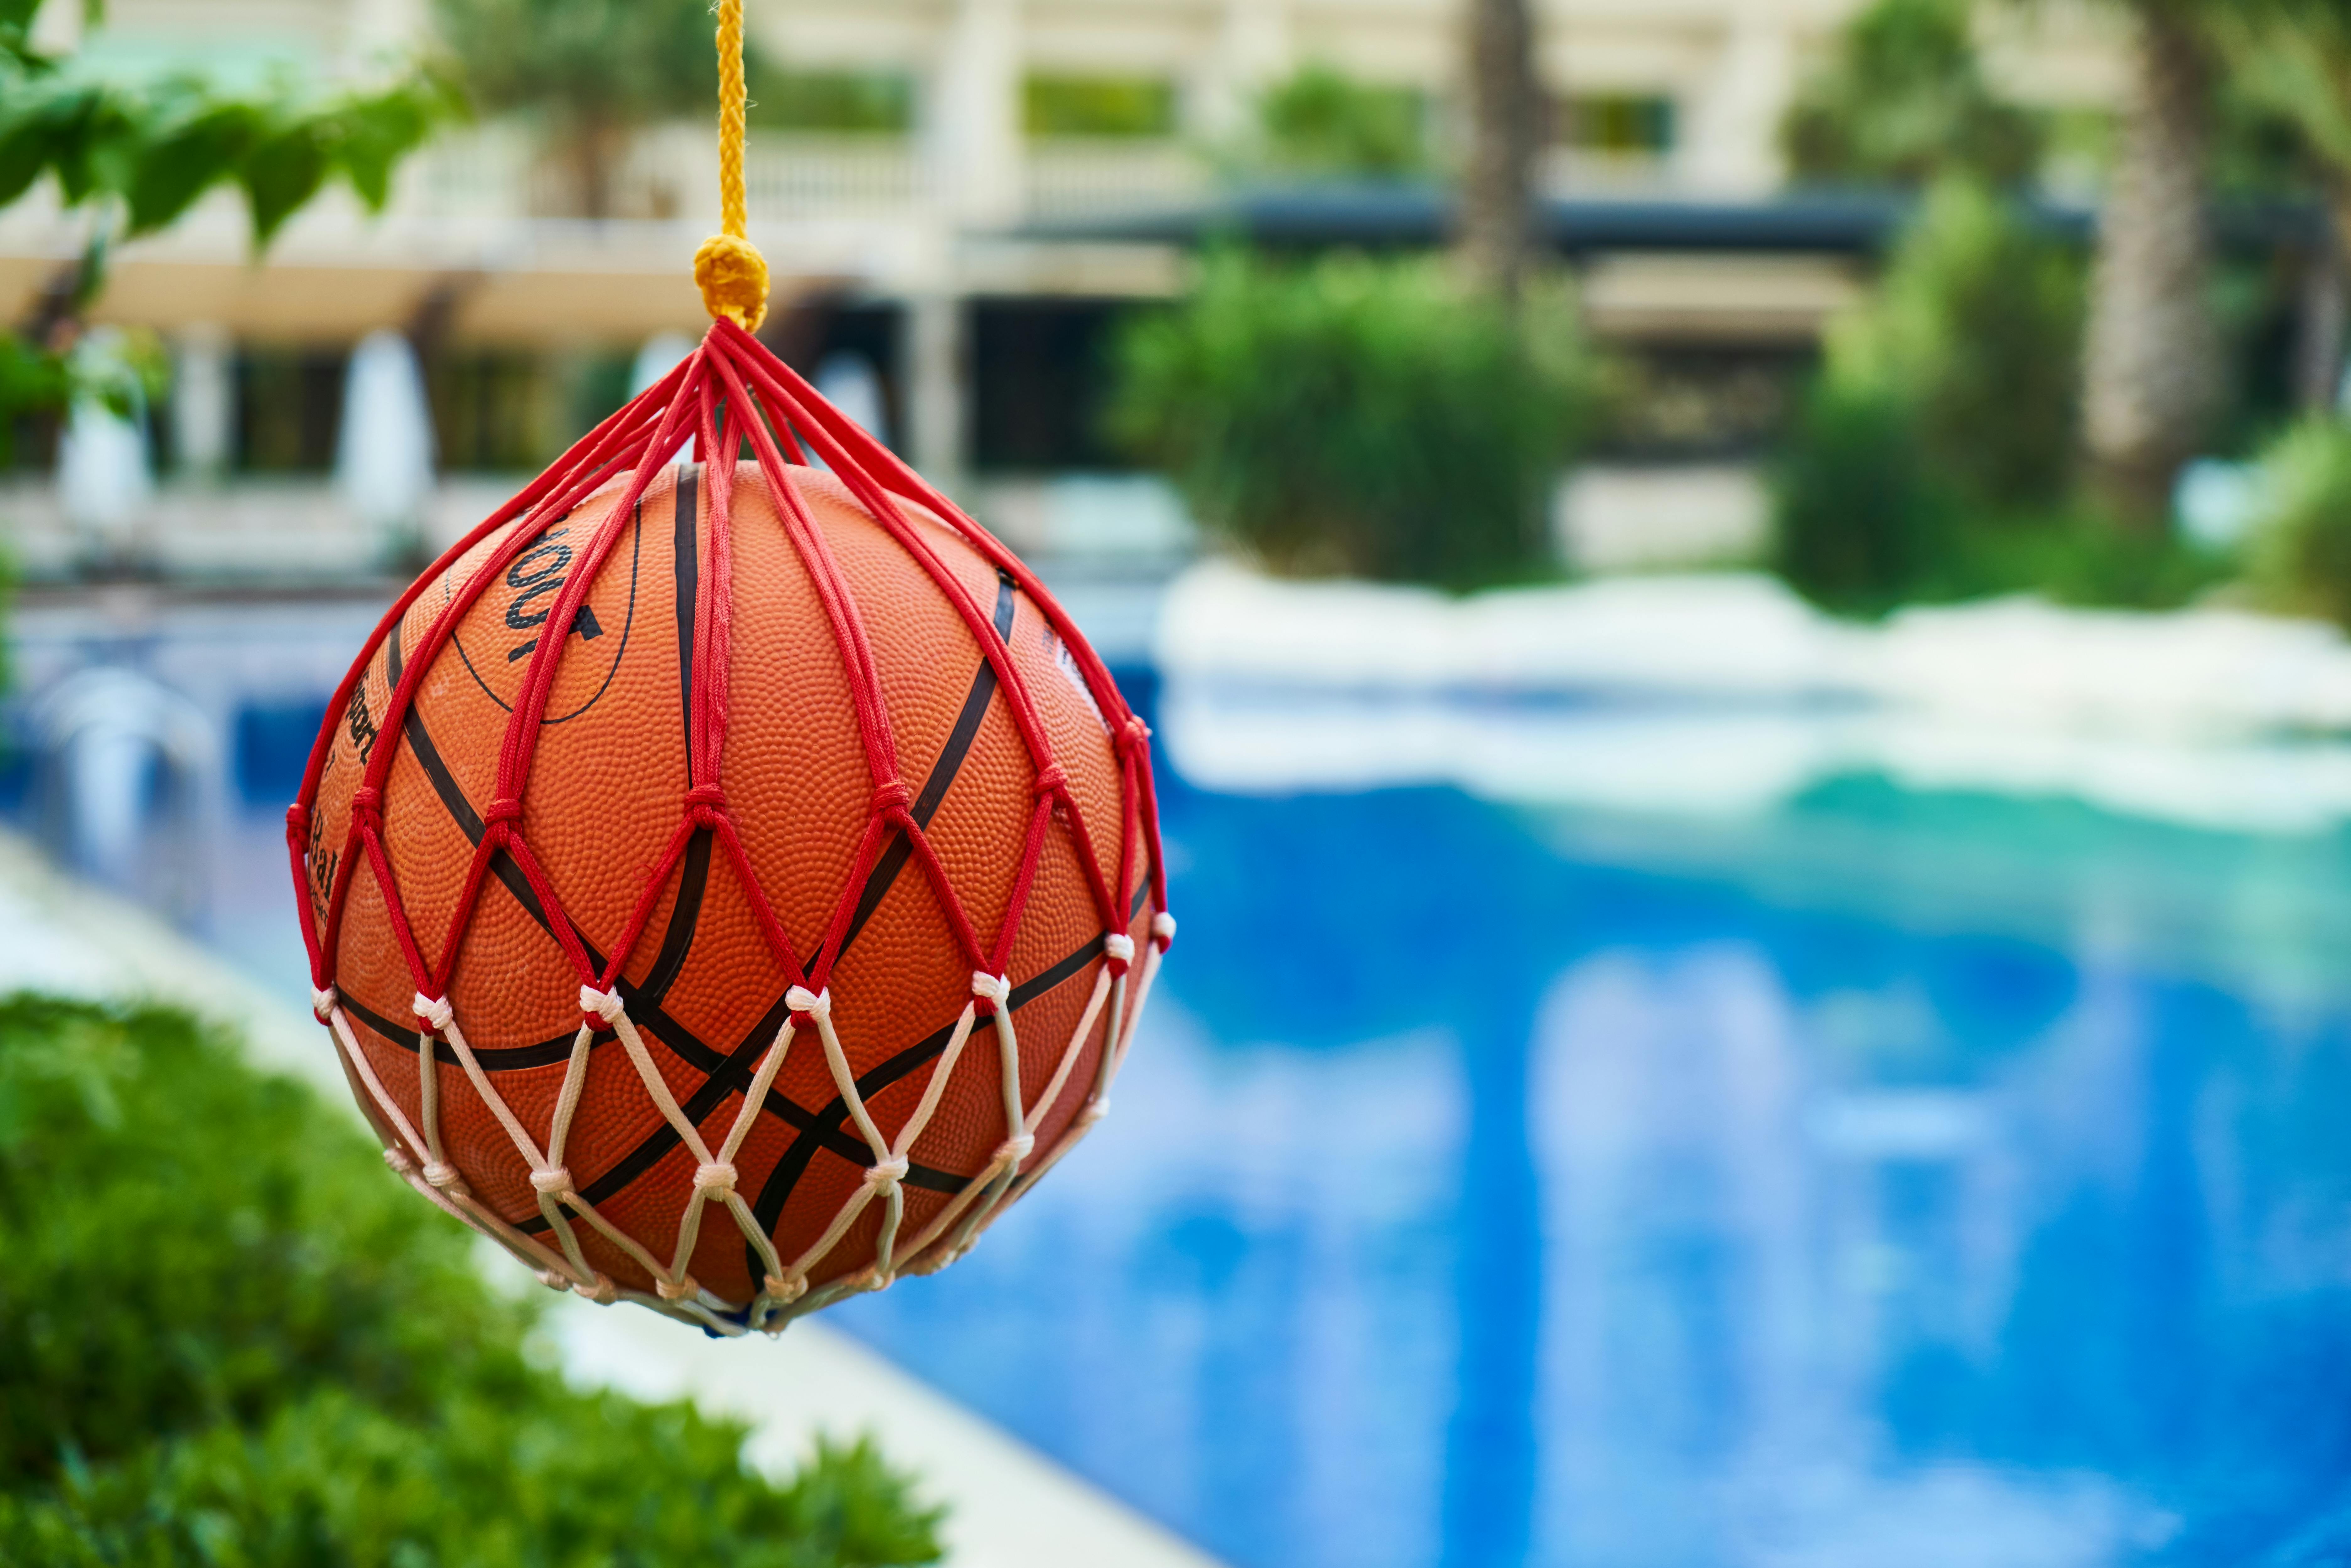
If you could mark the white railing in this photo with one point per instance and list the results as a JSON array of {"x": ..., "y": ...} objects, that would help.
[
  {"x": 796, "y": 176},
  {"x": 1579, "y": 171},
  {"x": 498, "y": 172},
  {"x": 1076, "y": 179}
]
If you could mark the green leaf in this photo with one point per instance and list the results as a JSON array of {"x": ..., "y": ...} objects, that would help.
[
  {"x": 282, "y": 173},
  {"x": 180, "y": 164},
  {"x": 372, "y": 134}
]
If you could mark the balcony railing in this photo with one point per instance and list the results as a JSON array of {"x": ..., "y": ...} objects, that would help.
[
  {"x": 1073, "y": 178},
  {"x": 497, "y": 172},
  {"x": 797, "y": 176}
]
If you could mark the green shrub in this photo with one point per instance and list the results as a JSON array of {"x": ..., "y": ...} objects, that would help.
[
  {"x": 1355, "y": 416},
  {"x": 1322, "y": 121},
  {"x": 2299, "y": 555},
  {"x": 1863, "y": 524},
  {"x": 1904, "y": 100},
  {"x": 1932, "y": 458},
  {"x": 230, "y": 1337},
  {"x": 1975, "y": 326},
  {"x": 1858, "y": 525},
  {"x": 2077, "y": 556}
]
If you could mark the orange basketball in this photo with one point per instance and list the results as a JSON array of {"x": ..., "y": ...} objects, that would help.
[{"x": 762, "y": 933}]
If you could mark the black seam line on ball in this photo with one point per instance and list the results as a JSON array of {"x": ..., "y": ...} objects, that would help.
[
  {"x": 943, "y": 774},
  {"x": 785, "y": 1174},
  {"x": 693, "y": 877},
  {"x": 494, "y": 1059},
  {"x": 693, "y": 881},
  {"x": 628, "y": 620}
]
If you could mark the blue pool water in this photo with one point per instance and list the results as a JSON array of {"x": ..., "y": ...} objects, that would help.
[
  {"x": 1881, "y": 1180},
  {"x": 1896, "y": 1180}
]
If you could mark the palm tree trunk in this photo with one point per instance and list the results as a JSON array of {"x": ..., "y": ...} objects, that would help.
[
  {"x": 2319, "y": 319},
  {"x": 2327, "y": 305},
  {"x": 2152, "y": 371},
  {"x": 1497, "y": 233}
]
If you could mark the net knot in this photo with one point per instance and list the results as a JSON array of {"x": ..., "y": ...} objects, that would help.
[
  {"x": 892, "y": 799},
  {"x": 1051, "y": 780},
  {"x": 603, "y": 1292},
  {"x": 1133, "y": 734},
  {"x": 433, "y": 1012},
  {"x": 732, "y": 277},
  {"x": 505, "y": 809},
  {"x": 1093, "y": 1111},
  {"x": 1163, "y": 930},
  {"x": 707, "y": 796},
  {"x": 322, "y": 1002},
  {"x": 604, "y": 1005},
  {"x": 441, "y": 1173},
  {"x": 297, "y": 825},
  {"x": 718, "y": 1177},
  {"x": 815, "y": 1004},
  {"x": 1119, "y": 948},
  {"x": 397, "y": 1158},
  {"x": 554, "y": 1280},
  {"x": 1012, "y": 1151},
  {"x": 555, "y": 1180},
  {"x": 987, "y": 987},
  {"x": 677, "y": 1291},
  {"x": 886, "y": 1172},
  {"x": 367, "y": 803},
  {"x": 778, "y": 1289}
]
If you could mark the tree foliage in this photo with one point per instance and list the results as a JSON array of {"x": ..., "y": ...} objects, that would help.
[
  {"x": 136, "y": 155},
  {"x": 1361, "y": 417},
  {"x": 230, "y": 1338},
  {"x": 2300, "y": 556},
  {"x": 1975, "y": 329},
  {"x": 583, "y": 61},
  {"x": 1933, "y": 457},
  {"x": 1858, "y": 524},
  {"x": 153, "y": 148},
  {"x": 591, "y": 70},
  {"x": 1321, "y": 121},
  {"x": 1905, "y": 100}
]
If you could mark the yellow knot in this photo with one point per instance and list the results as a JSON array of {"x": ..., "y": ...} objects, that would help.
[{"x": 734, "y": 279}]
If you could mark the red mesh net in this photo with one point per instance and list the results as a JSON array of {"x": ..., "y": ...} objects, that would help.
[{"x": 731, "y": 393}]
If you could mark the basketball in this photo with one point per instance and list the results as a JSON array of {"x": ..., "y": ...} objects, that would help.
[{"x": 730, "y": 884}]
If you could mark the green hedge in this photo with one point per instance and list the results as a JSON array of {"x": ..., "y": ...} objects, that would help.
[
  {"x": 230, "y": 1337},
  {"x": 2299, "y": 554},
  {"x": 1357, "y": 416}
]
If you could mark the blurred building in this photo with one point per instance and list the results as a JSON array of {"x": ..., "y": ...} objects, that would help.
[{"x": 957, "y": 197}]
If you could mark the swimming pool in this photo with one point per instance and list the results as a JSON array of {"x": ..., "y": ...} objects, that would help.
[
  {"x": 1895, "y": 1179},
  {"x": 1881, "y": 1176}
]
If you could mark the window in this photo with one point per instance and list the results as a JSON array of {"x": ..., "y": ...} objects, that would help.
[
  {"x": 872, "y": 103},
  {"x": 511, "y": 410},
  {"x": 1618, "y": 123},
  {"x": 1041, "y": 372},
  {"x": 1099, "y": 106},
  {"x": 290, "y": 403}
]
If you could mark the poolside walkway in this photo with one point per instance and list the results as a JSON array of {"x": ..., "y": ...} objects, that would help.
[{"x": 1010, "y": 1506}]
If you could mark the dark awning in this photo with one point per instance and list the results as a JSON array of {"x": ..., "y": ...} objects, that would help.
[{"x": 1419, "y": 215}]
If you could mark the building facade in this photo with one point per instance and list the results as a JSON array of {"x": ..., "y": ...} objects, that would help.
[{"x": 938, "y": 184}]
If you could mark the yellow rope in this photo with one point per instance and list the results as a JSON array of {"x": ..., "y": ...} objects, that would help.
[{"x": 728, "y": 266}]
